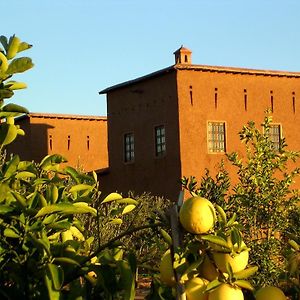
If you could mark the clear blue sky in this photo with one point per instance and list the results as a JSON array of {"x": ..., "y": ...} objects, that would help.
[{"x": 82, "y": 47}]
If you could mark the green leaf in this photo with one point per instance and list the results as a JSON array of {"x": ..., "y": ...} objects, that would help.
[
  {"x": 80, "y": 187},
  {"x": 213, "y": 285},
  {"x": 4, "y": 189},
  {"x": 4, "y": 209},
  {"x": 244, "y": 284},
  {"x": 8, "y": 232},
  {"x": 41, "y": 244},
  {"x": 19, "y": 65},
  {"x": 66, "y": 260},
  {"x": 193, "y": 266},
  {"x": 24, "y": 46},
  {"x": 56, "y": 275},
  {"x": 167, "y": 238},
  {"x": 128, "y": 208},
  {"x": 51, "y": 162},
  {"x": 11, "y": 166},
  {"x": 73, "y": 173},
  {"x": 66, "y": 208},
  {"x": 21, "y": 200},
  {"x": 116, "y": 221},
  {"x": 127, "y": 279},
  {"x": 229, "y": 270},
  {"x": 25, "y": 174},
  {"x": 52, "y": 293},
  {"x": 244, "y": 274},
  {"x": 112, "y": 197},
  {"x": 127, "y": 201},
  {"x": 6, "y": 93},
  {"x": 236, "y": 238},
  {"x": 222, "y": 214},
  {"x": 4, "y": 42},
  {"x": 217, "y": 240},
  {"x": 15, "y": 108},
  {"x": 294, "y": 245},
  {"x": 59, "y": 225},
  {"x": 8, "y": 132}
]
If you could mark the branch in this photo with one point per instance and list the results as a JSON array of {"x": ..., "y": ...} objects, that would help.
[{"x": 75, "y": 271}]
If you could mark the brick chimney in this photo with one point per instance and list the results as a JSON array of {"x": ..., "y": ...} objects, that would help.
[{"x": 183, "y": 56}]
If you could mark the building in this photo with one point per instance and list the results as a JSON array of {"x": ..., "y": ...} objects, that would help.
[
  {"x": 182, "y": 119},
  {"x": 82, "y": 140}
]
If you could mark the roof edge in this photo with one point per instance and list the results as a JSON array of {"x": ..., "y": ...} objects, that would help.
[{"x": 139, "y": 79}]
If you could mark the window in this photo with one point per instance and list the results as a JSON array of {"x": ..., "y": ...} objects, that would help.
[
  {"x": 275, "y": 135},
  {"x": 69, "y": 142},
  {"x": 88, "y": 142},
  {"x": 50, "y": 142},
  {"x": 160, "y": 140},
  {"x": 129, "y": 147},
  {"x": 216, "y": 137}
]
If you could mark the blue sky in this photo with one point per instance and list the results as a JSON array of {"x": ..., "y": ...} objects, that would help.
[{"x": 83, "y": 46}]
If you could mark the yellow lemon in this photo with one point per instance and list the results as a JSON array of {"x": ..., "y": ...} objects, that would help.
[
  {"x": 197, "y": 215},
  {"x": 166, "y": 270},
  {"x": 226, "y": 292},
  {"x": 195, "y": 289},
  {"x": 270, "y": 292},
  {"x": 238, "y": 261},
  {"x": 207, "y": 270}
]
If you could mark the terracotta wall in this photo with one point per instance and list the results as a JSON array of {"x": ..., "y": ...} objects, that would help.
[
  {"x": 231, "y": 89},
  {"x": 138, "y": 109},
  {"x": 82, "y": 140}
]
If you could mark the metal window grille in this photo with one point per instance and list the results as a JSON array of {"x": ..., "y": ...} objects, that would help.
[
  {"x": 160, "y": 140},
  {"x": 128, "y": 147},
  {"x": 216, "y": 137},
  {"x": 275, "y": 135}
]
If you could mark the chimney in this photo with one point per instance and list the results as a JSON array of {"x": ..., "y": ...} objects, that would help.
[{"x": 183, "y": 56}]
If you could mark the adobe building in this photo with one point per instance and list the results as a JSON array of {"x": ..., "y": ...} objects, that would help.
[
  {"x": 182, "y": 119},
  {"x": 82, "y": 140}
]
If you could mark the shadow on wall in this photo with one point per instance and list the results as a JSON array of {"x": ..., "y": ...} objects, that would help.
[{"x": 35, "y": 145}]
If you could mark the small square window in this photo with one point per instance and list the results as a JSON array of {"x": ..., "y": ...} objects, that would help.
[
  {"x": 216, "y": 137},
  {"x": 160, "y": 141},
  {"x": 128, "y": 147}
]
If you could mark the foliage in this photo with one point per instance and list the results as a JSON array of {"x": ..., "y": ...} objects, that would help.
[
  {"x": 214, "y": 189},
  {"x": 264, "y": 199},
  {"x": 9, "y": 66},
  {"x": 45, "y": 250},
  {"x": 112, "y": 219}
]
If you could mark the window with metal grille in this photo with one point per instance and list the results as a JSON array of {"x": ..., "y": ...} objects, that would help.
[
  {"x": 275, "y": 135},
  {"x": 160, "y": 140},
  {"x": 216, "y": 137},
  {"x": 128, "y": 147}
]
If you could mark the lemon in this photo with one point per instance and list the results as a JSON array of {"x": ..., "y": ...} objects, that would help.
[
  {"x": 237, "y": 261},
  {"x": 197, "y": 215},
  {"x": 270, "y": 292},
  {"x": 195, "y": 289},
  {"x": 227, "y": 292},
  {"x": 207, "y": 270},
  {"x": 166, "y": 270}
]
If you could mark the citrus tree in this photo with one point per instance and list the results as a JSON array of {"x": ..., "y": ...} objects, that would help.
[
  {"x": 45, "y": 250},
  {"x": 264, "y": 201}
]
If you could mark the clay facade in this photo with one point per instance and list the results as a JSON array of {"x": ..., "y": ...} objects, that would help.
[
  {"x": 82, "y": 140},
  {"x": 197, "y": 111}
]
